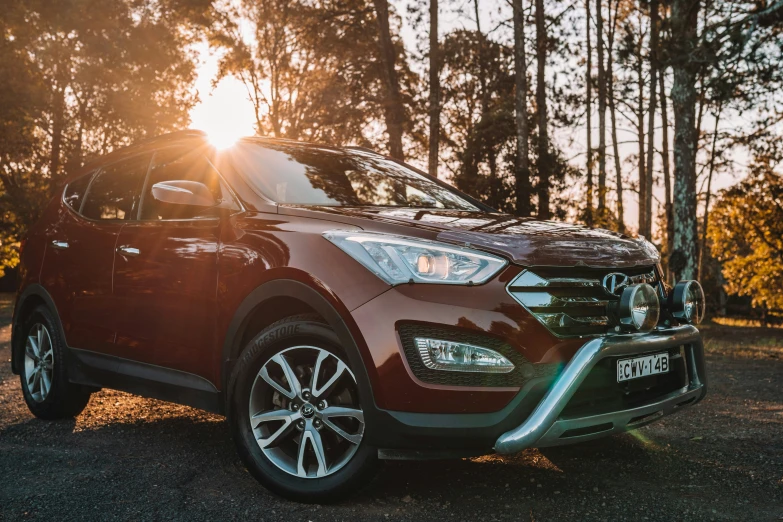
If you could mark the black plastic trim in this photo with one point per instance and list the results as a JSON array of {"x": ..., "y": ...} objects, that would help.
[
  {"x": 147, "y": 380},
  {"x": 396, "y": 430},
  {"x": 39, "y": 291}
]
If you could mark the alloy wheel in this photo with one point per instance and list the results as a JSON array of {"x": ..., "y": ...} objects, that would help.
[
  {"x": 305, "y": 412},
  {"x": 39, "y": 362}
]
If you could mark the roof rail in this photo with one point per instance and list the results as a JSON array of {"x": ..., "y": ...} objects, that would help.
[
  {"x": 363, "y": 149},
  {"x": 176, "y": 135}
]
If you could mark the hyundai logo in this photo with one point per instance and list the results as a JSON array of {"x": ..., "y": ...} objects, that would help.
[{"x": 615, "y": 282}]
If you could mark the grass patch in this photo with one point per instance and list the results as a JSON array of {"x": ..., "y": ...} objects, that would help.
[{"x": 746, "y": 341}]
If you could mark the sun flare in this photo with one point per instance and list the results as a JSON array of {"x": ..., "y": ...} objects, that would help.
[{"x": 224, "y": 113}]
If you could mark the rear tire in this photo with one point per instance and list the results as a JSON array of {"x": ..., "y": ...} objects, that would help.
[
  {"x": 304, "y": 441},
  {"x": 44, "y": 374}
]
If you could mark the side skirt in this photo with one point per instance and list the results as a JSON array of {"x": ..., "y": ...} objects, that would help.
[{"x": 147, "y": 380}]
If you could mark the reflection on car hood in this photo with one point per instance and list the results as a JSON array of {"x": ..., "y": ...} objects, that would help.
[{"x": 526, "y": 241}]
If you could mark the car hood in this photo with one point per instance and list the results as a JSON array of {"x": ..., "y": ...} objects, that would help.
[{"x": 526, "y": 241}]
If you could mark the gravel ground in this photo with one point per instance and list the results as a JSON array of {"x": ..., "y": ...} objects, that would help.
[{"x": 128, "y": 458}]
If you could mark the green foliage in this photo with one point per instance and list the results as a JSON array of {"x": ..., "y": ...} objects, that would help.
[
  {"x": 311, "y": 70},
  {"x": 746, "y": 232},
  {"x": 79, "y": 78}
]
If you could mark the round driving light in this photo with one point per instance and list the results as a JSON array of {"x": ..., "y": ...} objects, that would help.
[
  {"x": 687, "y": 302},
  {"x": 639, "y": 308}
]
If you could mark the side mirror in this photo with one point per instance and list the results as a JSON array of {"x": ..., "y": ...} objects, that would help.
[{"x": 182, "y": 192}]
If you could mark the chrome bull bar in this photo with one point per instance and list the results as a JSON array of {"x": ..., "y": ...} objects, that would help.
[{"x": 545, "y": 426}]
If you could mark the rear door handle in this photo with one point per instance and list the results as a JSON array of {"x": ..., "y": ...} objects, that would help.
[
  {"x": 59, "y": 245},
  {"x": 128, "y": 251}
]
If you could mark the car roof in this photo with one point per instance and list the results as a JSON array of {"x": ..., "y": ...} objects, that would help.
[{"x": 191, "y": 135}]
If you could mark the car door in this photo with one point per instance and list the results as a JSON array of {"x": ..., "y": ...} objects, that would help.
[
  {"x": 77, "y": 267},
  {"x": 166, "y": 270}
]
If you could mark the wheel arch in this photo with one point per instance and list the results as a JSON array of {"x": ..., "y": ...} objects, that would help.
[
  {"x": 30, "y": 298},
  {"x": 288, "y": 297}
]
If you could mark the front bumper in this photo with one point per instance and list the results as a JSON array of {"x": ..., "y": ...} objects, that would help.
[{"x": 546, "y": 426}]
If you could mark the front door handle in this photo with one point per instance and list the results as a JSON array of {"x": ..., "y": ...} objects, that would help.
[
  {"x": 59, "y": 245},
  {"x": 128, "y": 251}
]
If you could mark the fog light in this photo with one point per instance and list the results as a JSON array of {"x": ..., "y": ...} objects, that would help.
[
  {"x": 459, "y": 357},
  {"x": 687, "y": 302},
  {"x": 639, "y": 308}
]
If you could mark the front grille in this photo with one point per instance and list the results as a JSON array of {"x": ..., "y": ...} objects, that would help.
[{"x": 572, "y": 302}]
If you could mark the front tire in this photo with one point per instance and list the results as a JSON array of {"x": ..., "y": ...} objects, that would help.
[
  {"x": 296, "y": 414},
  {"x": 44, "y": 376}
]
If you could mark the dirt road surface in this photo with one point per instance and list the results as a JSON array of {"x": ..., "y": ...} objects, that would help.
[{"x": 128, "y": 458}]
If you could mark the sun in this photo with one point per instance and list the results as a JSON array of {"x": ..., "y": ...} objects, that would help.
[
  {"x": 224, "y": 112},
  {"x": 224, "y": 138}
]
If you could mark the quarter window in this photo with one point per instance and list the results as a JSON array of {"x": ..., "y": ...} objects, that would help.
[
  {"x": 74, "y": 192},
  {"x": 114, "y": 192}
]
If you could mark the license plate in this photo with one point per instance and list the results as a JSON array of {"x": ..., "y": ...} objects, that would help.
[{"x": 628, "y": 369}]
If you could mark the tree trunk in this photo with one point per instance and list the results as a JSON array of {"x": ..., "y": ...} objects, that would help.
[
  {"x": 589, "y": 98},
  {"x": 434, "y": 90},
  {"x": 666, "y": 161},
  {"x": 599, "y": 31},
  {"x": 395, "y": 112},
  {"x": 58, "y": 123},
  {"x": 543, "y": 138},
  {"x": 640, "y": 128},
  {"x": 706, "y": 222},
  {"x": 648, "y": 219},
  {"x": 613, "y": 114},
  {"x": 615, "y": 145},
  {"x": 684, "y": 258},
  {"x": 522, "y": 175}
]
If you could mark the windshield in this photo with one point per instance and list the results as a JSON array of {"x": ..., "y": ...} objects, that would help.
[{"x": 309, "y": 175}]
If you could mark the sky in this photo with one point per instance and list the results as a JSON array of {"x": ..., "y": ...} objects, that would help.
[{"x": 226, "y": 114}]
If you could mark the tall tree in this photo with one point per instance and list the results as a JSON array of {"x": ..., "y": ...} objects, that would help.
[
  {"x": 685, "y": 250},
  {"x": 620, "y": 219},
  {"x": 485, "y": 147},
  {"x": 544, "y": 164},
  {"x": 599, "y": 20},
  {"x": 311, "y": 71},
  {"x": 640, "y": 111},
  {"x": 78, "y": 79},
  {"x": 666, "y": 163},
  {"x": 653, "y": 59},
  {"x": 434, "y": 142},
  {"x": 589, "y": 113},
  {"x": 523, "y": 187},
  {"x": 470, "y": 131},
  {"x": 395, "y": 110},
  {"x": 706, "y": 218}
]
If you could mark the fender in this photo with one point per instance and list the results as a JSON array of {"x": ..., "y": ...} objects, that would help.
[
  {"x": 314, "y": 299},
  {"x": 32, "y": 290}
]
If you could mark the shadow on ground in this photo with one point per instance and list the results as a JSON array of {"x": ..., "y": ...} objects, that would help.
[{"x": 128, "y": 458}]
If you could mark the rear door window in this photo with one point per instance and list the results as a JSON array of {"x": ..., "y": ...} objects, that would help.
[{"x": 115, "y": 190}]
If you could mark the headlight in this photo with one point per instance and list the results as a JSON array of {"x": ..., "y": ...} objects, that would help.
[
  {"x": 639, "y": 308},
  {"x": 398, "y": 260},
  {"x": 687, "y": 302}
]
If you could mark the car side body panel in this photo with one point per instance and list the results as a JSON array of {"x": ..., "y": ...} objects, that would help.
[
  {"x": 77, "y": 273},
  {"x": 165, "y": 297},
  {"x": 259, "y": 248}
]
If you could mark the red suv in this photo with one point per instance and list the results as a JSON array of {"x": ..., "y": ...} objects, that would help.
[{"x": 340, "y": 307}]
